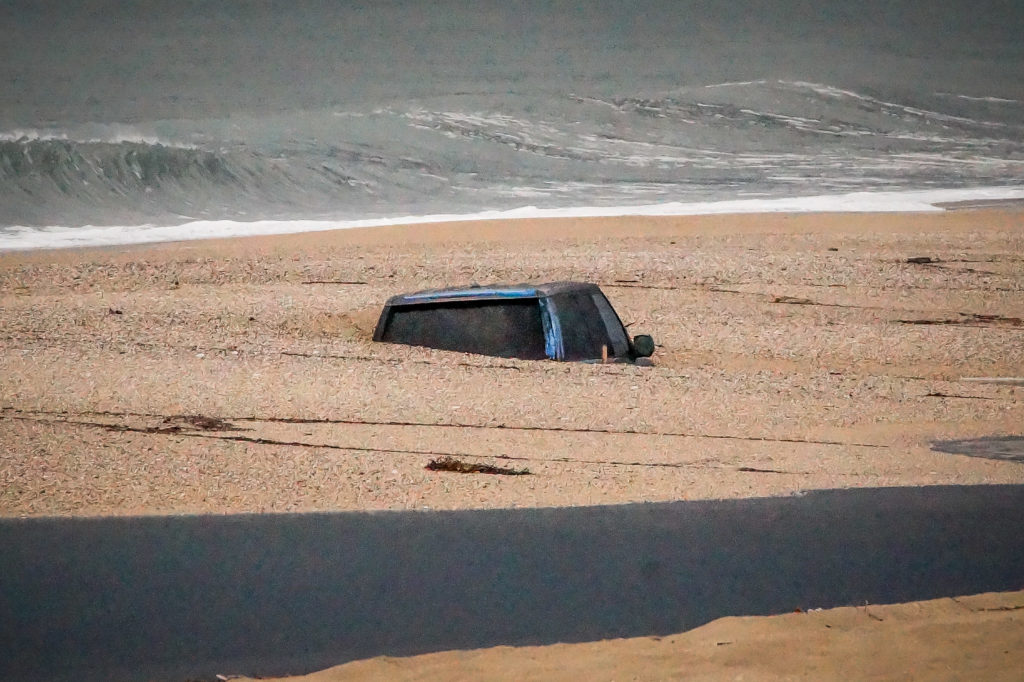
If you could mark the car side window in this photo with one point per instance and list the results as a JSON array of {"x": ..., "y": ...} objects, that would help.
[{"x": 502, "y": 328}]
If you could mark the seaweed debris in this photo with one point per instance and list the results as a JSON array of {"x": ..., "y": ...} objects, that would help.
[
  {"x": 793, "y": 300},
  {"x": 447, "y": 463},
  {"x": 973, "y": 320},
  {"x": 181, "y": 422}
]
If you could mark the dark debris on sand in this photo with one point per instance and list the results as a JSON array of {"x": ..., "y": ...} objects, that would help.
[{"x": 448, "y": 463}]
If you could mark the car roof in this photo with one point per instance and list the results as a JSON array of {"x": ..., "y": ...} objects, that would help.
[{"x": 477, "y": 292}]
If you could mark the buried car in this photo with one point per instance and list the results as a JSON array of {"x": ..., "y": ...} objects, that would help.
[{"x": 557, "y": 321}]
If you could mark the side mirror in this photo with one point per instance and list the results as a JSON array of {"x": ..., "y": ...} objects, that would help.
[{"x": 643, "y": 346}]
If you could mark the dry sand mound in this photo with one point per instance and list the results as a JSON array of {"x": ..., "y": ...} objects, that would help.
[{"x": 979, "y": 637}]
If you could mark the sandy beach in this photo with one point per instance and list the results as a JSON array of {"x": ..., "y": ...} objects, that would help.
[
  {"x": 795, "y": 352},
  {"x": 975, "y": 637}
]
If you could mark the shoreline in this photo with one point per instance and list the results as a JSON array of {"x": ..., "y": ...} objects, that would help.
[
  {"x": 535, "y": 230},
  {"x": 885, "y": 202}
]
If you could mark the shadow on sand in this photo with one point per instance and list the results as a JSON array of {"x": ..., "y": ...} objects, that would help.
[
  {"x": 1008, "y": 448},
  {"x": 170, "y": 598}
]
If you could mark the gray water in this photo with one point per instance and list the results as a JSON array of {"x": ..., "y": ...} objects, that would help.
[{"x": 127, "y": 113}]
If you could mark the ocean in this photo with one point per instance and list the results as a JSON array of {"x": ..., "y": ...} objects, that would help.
[{"x": 124, "y": 122}]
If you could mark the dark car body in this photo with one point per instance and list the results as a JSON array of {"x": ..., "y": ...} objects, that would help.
[{"x": 556, "y": 320}]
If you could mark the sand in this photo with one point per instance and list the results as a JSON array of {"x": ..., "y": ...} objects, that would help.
[
  {"x": 791, "y": 357},
  {"x": 979, "y": 637},
  {"x": 796, "y": 352}
]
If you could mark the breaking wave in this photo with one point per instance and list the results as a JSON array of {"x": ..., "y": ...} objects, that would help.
[
  {"x": 51, "y": 175},
  {"x": 469, "y": 152},
  {"x": 124, "y": 167}
]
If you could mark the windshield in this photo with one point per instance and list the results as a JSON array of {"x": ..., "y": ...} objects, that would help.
[{"x": 589, "y": 323}]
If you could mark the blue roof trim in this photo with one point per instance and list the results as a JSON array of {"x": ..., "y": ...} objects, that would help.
[
  {"x": 480, "y": 292},
  {"x": 554, "y": 348}
]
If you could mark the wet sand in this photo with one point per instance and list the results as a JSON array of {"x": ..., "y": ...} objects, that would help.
[{"x": 795, "y": 352}]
